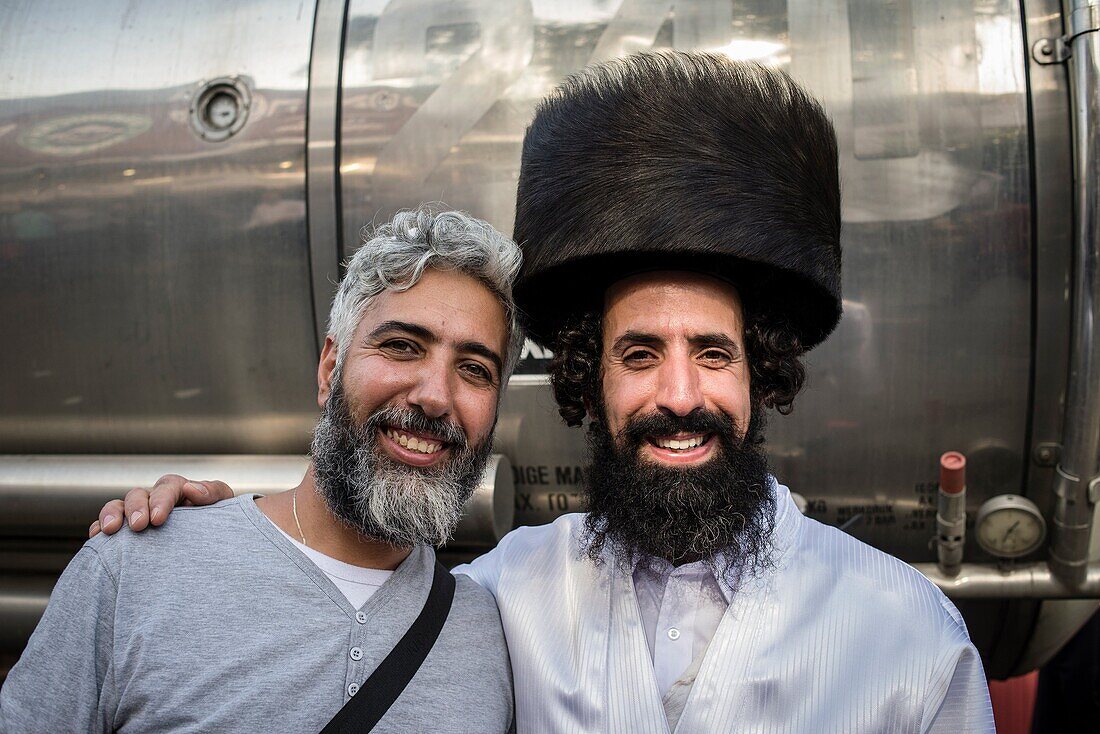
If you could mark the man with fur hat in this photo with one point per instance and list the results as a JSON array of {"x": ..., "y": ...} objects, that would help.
[{"x": 692, "y": 205}]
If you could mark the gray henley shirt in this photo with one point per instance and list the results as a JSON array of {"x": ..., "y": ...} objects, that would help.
[{"x": 217, "y": 623}]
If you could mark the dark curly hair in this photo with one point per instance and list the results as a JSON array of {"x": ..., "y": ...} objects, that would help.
[{"x": 774, "y": 353}]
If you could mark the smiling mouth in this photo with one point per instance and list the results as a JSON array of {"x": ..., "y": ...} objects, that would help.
[
  {"x": 421, "y": 444},
  {"x": 680, "y": 443}
]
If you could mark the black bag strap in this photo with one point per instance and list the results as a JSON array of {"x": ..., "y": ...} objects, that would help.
[{"x": 389, "y": 679}]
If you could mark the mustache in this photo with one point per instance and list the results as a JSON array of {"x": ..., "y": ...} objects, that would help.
[
  {"x": 410, "y": 419},
  {"x": 639, "y": 428}
]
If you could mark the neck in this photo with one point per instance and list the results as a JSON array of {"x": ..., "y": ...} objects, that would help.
[{"x": 323, "y": 532}]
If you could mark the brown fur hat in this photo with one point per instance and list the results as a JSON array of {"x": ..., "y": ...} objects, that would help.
[{"x": 675, "y": 160}]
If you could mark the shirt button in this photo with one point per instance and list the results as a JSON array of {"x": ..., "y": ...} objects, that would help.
[
  {"x": 356, "y": 653},
  {"x": 353, "y": 689},
  {"x": 360, "y": 617},
  {"x": 673, "y": 633}
]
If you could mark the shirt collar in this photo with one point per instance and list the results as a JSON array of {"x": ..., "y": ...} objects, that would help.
[{"x": 663, "y": 569}]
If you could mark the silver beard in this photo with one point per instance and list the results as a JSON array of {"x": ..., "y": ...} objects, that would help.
[{"x": 381, "y": 498}]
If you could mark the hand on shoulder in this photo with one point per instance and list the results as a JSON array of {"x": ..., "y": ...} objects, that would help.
[{"x": 144, "y": 507}]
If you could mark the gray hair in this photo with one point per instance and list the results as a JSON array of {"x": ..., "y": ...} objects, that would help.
[{"x": 394, "y": 256}]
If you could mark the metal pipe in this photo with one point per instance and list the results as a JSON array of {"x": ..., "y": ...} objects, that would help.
[
  {"x": 59, "y": 496},
  {"x": 23, "y": 599},
  {"x": 1077, "y": 470},
  {"x": 491, "y": 510},
  {"x": 1032, "y": 581}
]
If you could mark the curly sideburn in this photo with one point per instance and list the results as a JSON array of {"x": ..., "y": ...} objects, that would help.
[{"x": 774, "y": 351}]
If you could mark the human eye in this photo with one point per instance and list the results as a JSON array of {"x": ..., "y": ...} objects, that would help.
[
  {"x": 478, "y": 373},
  {"x": 715, "y": 357},
  {"x": 638, "y": 357},
  {"x": 400, "y": 347}
]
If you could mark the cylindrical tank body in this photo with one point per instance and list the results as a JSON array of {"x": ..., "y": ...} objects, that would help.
[
  {"x": 156, "y": 286},
  {"x": 161, "y": 289}
]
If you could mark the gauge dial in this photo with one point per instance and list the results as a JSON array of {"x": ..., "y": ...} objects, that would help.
[{"x": 1010, "y": 526}]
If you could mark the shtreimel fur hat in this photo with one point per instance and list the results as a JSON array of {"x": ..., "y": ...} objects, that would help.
[{"x": 678, "y": 160}]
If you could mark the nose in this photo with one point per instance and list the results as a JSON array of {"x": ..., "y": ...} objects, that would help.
[
  {"x": 432, "y": 392},
  {"x": 678, "y": 386}
]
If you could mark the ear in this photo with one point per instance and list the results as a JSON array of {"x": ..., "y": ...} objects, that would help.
[{"x": 325, "y": 367}]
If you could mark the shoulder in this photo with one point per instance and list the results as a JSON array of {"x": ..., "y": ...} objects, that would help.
[
  {"x": 474, "y": 625},
  {"x": 561, "y": 535},
  {"x": 473, "y": 601},
  {"x": 522, "y": 548},
  {"x": 188, "y": 530},
  {"x": 892, "y": 589}
]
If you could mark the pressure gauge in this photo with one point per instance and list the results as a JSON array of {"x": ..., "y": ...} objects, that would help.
[{"x": 1010, "y": 526}]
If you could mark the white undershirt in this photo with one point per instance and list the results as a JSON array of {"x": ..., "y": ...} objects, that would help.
[
  {"x": 356, "y": 583},
  {"x": 681, "y": 608}
]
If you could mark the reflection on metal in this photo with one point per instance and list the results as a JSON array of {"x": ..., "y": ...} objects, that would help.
[
  {"x": 1034, "y": 581},
  {"x": 23, "y": 599},
  {"x": 490, "y": 512},
  {"x": 322, "y": 156},
  {"x": 162, "y": 282},
  {"x": 884, "y": 100},
  {"x": 460, "y": 84},
  {"x": 547, "y": 458},
  {"x": 75, "y": 135},
  {"x": 1074, "y": 515},
  {"x": 220, "y": 108},
  {"x": 58, "y": 496}
]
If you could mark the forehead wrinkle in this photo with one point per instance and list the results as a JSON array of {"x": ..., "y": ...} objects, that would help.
[{"x": 663, "y": 328}]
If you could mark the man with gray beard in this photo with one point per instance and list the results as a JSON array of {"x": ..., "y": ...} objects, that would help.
[{"x": 319, "y": 588}]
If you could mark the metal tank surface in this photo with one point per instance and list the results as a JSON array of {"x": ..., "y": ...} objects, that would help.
[{"x": 178, "y": 184}]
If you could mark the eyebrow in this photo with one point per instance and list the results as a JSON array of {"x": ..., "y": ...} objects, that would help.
[
  {"x": 699, "y": 340},
  {"x": 483, "y": 351},
  {"x": 716, "y": 340},
  {"x": 413, "y": 329},
  {"x": 429, "y": 336},
  {"x": 636, "y": 337}
]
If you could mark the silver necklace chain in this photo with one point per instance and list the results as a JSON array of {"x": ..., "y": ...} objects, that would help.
[{"x": 294, "y": 509}]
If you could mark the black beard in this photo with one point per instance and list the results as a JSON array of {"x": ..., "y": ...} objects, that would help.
[
  {"x": 381, "y": 498},
  {"x": 639, "y": 509}
]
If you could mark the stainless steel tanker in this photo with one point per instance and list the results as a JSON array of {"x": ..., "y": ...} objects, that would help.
[{"x": 179, "y": 182}]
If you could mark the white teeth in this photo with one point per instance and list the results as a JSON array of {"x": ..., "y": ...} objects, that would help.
[
  {"x": 414, "y": 444},
  {"x": 680, "y": 444}
]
